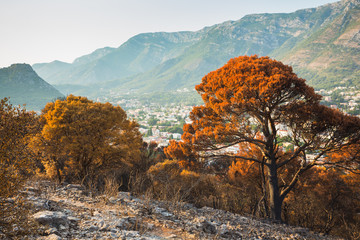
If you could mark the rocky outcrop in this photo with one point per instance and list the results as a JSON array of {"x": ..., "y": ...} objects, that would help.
[{"x": 77, "y": 215}]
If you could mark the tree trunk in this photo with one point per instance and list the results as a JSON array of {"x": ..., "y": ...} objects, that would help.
[
  {"x": 264, "y": 191},
  {"x": 57, "y": 166},
  {"x": 275, "y": 201},
  {"x": 58, "y": 173}
]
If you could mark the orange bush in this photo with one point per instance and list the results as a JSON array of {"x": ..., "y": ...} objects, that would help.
[{"x": 82, "y": 139}]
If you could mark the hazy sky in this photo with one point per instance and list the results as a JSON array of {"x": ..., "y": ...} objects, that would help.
[{"x": 34, "y": 31}]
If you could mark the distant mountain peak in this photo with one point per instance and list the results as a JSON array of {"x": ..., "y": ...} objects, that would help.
[
  {"x": 23, "y": 66},
  {"x": 20, "y": 72},
  {"x": 23, "y": 85}
]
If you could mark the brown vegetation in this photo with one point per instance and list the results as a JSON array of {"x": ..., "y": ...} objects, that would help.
[
  {"x": 82, "y": 140},
  {"x": 246, "y": 103},
  {"x": 16, "y": 165}
]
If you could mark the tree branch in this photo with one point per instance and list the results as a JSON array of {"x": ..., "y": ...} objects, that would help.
[{"x": 234, "y": 156}]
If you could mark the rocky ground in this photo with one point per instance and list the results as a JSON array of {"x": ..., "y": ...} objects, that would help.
[{"x": 70, "y": 212}]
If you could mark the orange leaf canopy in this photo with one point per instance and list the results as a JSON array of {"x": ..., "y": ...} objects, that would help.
[{"x": 246, "y": 100}]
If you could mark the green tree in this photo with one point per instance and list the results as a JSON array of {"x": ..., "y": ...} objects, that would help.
[
  {"x": 153, "y": 121},
  {"x": 337, "y": 98},
  {"x": 175, "y": 129}
]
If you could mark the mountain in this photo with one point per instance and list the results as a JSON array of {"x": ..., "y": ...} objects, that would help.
[
  {"x": 322, "y": 44},
  {"x": 329, "y": 55},
  {"x": 21, "y": 83},
  {"x": 139, "y": 54}
]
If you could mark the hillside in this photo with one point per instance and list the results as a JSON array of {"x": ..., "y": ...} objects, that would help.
[
  {"x": 139, "y": 54},
  {"x": 329, "y": 56},
  {"x": 69, "y": 212},
  {"x": 322, "y": 44},
  {"x": 21, "y": 83}
]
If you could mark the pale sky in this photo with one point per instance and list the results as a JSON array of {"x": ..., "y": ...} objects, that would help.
[{"x": 35, "y": 31}]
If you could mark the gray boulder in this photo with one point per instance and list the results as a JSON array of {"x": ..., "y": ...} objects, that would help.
[{"x": 51, "y": 218}]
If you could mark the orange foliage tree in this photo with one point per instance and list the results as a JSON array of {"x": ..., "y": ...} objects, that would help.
[
  {"x": 16, "y": 166},
  {"x": 16, "y": 163},
  {"x": 249, "y": 100},
  {"x": 82, "y": 139}
]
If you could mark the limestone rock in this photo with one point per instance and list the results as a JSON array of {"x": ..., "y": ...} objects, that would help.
[
  {"x": 51, "y": 237},
  {"x": 51, "y": 218},
  {"x": 139, "y": 218}
]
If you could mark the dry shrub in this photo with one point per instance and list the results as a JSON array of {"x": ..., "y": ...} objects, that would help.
[
  {"x": 163, "y": 178},
  {"x": 172, "y": 182},
  {"x": 16, "y": 163},
  {"x": 139, "y": 181},
  {"x": 111, "y": 185},
  {"x": 15, "y": 222},
  {"x": 245, "y": 176},
  {"x": 326, "y": 201},
  {"x": 16, "y": 166}
]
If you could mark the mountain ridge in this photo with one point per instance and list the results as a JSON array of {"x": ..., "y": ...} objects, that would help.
[{"x": 169, "y": 61}]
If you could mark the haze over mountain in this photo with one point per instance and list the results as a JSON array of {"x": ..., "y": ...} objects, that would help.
[
  {"x": 322, "y": 44},
  {"x": 21, "y": 83}
]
